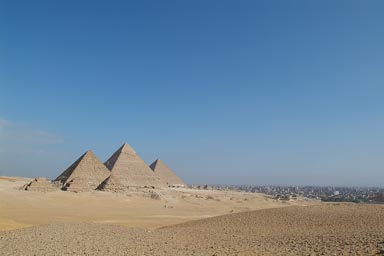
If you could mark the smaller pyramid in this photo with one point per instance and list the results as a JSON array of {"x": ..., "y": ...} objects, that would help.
[
  {"x": 85, "y": 174},
  {"x": 166, "y": 174},
  {"x": 40, "y": 185}
]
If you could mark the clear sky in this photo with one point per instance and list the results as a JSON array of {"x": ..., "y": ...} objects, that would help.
[{"x": 225, "y": 92}]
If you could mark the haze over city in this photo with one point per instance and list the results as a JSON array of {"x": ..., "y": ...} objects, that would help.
[{"x": 229, "y": 92}]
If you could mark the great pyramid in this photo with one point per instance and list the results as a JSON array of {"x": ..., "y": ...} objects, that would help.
[
  {"x": 166, "y": 174},
  {"x": 85, "y": 174},
  {"x": 128, "y": 170}
]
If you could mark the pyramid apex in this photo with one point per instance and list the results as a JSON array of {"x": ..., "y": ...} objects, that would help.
[
  {"x": 165, "y": 173},
  {"x": 88, "y": 153},
  {"x": 158, "y": 160},
  {"x": 126, "y": 148},
  {"x": 154, "y": 164}
]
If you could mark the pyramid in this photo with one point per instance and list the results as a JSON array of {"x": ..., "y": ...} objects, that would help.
[
  {"x": 167, "y": 175},
  {"x": 85, "y": 174},
  {"x": 128, "y": 170}
]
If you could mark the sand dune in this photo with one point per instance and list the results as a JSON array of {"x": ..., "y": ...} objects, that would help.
[
  {"x": 180, "y": 222},
  {"x": 312, "y": 230}
]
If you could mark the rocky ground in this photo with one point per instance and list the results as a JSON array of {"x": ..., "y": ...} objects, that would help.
[{"x": 344, "y": 229}]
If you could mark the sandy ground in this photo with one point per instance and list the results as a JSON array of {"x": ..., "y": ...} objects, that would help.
[
  {"x": 145, "y": 208},
  {"x": 311, "y": 230},
  {"x": 98, "y": 223}
]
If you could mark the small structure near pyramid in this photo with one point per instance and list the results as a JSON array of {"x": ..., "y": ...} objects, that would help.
[
  {"x": 41, "y": 185},
  {"x": 128, "y": 170},
  {"x": 166, "y": 174},
  {"x": 85, "y": 174}
]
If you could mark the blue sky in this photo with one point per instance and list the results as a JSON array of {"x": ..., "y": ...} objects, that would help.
[{"x": 225, "y": 92}]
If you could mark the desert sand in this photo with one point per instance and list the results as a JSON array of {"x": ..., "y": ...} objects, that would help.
[
  {"x": 145, "y": 208},
  {"x": 181, "y": 222}
]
